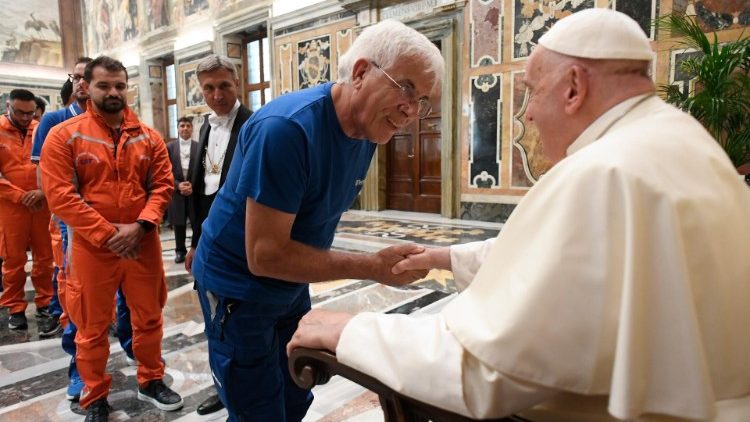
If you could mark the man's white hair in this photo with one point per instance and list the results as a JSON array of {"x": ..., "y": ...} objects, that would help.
[{"x": 385, "y": 43}]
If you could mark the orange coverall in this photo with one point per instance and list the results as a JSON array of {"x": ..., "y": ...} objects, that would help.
[
  {"x": 19, "y": 226},
  {"x": 92, "y": 180}
]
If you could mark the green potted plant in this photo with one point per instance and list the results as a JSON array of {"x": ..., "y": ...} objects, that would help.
[{"x": 721, "y": 98}]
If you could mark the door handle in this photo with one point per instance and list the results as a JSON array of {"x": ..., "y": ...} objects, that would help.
[{"x": 411, "y": 148}]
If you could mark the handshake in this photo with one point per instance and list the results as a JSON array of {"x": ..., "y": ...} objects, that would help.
[{"x": 403, "y": 264}]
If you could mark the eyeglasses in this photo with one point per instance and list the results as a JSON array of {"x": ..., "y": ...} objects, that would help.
[
  {"x": 424, "y": 108},
  {"x": 19, "y": 113},
  {"x": 74, "y": 78}
]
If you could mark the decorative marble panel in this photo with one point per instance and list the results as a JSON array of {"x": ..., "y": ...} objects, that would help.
[
  {"x": 716, "y": 15},
  {"x": 344, "y": 40},
  {"x": 679, "y": 77},
  {"x": 157, "y": 105},
  {"x": 485, "y": 123},
  {"x": 483, "y": 211},
  {"x": 528, "y": 163},
  {"x": 286, "y": 69},
  {"x": 642, "y": 11},
  {"x": 133, "y": 96},
  {"x": 314, "y": 61},
  {"x": 486, "y": 20},
  {"x": 532, "y": 18}
]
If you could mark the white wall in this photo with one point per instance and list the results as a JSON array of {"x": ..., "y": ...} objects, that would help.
[{"x": 281, "y": 7}]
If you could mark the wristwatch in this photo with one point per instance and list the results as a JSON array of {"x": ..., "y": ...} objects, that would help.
[{"x": 147, "y": 226}]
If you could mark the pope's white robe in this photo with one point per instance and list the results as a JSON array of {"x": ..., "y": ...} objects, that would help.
[{"x": 618, "y": 289}]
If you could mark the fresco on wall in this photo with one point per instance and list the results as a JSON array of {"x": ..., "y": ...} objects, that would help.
[
  {"x": 716, "y": 15},
  {"x": 194, "y": 6},
  {"x": 30, "y": 33},
  {"x": 110, "y": 23},
  {"x": 532, "y": 18},
  {"x": 486, "y": 17},
  {"x": 486, "y": 120},
  {"x": 127, "y": 20},
  {"x": 158, "y": 13},
  {"x": 313, "y": 61}
]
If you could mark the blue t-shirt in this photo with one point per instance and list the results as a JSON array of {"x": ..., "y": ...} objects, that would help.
[
  {"x": 50, "y": 120},
  {"x": 293, "y": 156}
]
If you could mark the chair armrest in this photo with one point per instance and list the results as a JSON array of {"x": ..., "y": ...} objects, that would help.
[{"x": 310, "y": 367}]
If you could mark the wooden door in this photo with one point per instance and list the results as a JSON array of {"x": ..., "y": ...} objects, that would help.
[{"x": 413, "y": 166}]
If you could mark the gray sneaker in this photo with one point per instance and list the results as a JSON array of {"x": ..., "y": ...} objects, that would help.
[{"x": 18, "y": 321}]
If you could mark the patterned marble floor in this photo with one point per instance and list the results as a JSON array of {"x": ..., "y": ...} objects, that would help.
[{"x": 33, "y": 371}]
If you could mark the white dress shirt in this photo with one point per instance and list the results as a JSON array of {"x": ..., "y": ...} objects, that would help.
[
  {"x": 185, "y": 156},
  {"x": 218, "y": 140}
]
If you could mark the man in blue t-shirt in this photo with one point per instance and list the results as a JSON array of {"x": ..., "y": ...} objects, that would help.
[
  {"x": 52, "y": 324},
  {"x": 299, "y": 163}
]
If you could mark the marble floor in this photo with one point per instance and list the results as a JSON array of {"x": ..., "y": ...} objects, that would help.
[{"x": 33, "y": 371}]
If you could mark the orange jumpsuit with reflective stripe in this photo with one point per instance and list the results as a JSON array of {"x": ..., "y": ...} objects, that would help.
[
  {"x": 92, "y": 180},
  {"x": 19, "y": 226}
]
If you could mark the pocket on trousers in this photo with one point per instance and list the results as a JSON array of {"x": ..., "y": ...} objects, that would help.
[
  {"x": 220, "y": 361},
  {"x": 73, "y": 302},
  {"x": 2, "y": 244}
]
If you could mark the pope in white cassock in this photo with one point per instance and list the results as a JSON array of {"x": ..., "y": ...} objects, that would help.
[{"x": 619, "y": 289}]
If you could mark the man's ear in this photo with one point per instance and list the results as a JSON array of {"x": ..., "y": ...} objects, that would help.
[
  {"x": 361, "y": 66},
  {"x": 578, "y": 87}
]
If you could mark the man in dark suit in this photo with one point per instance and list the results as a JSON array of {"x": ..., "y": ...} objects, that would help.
[
  {"x": 218, "y": 137},
  {"x": 182, "y": 153}
]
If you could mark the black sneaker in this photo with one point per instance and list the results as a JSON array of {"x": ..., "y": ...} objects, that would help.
[
  {"x": 48, "y": 324},
  {"x": 18, "y": 321},
  {"x": 160, "y": 395},
  {"x": 98, "y": 411}
]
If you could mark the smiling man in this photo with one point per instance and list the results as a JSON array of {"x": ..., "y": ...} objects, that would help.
[
  {"x": 618, "y": 288},
  {"x": 108, "y": 176},
  {"x": 299, "y": 164}
]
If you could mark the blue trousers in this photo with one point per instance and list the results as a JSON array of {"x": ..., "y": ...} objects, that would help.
[
  {"x": 247, "y": 353},
  {"x": 54, "y": 304}
]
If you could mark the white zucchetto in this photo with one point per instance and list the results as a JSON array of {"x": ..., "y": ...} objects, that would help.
[{"x": 598, "y": 33}]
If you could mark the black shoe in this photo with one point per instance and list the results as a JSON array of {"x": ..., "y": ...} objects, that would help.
[
  {"x": 48, "y": 324},
  {"x": 210, "y": 405},
  {"x": 18, "y": 321},
  {"x": 161, "y": 396},
  {"x": 98, "y": 411},
  {"x": 179, "y": 258}
]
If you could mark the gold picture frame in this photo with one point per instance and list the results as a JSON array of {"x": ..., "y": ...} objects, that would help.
[{"x": 191, "y": 98}]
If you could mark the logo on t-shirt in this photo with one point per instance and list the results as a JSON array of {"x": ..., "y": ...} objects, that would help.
[{"x": 358, "y": 183}]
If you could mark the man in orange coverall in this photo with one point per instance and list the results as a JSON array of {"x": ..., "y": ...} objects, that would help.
[
  {"x": 24, "y": 215},
  {"x": 108, "y": 176}
]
